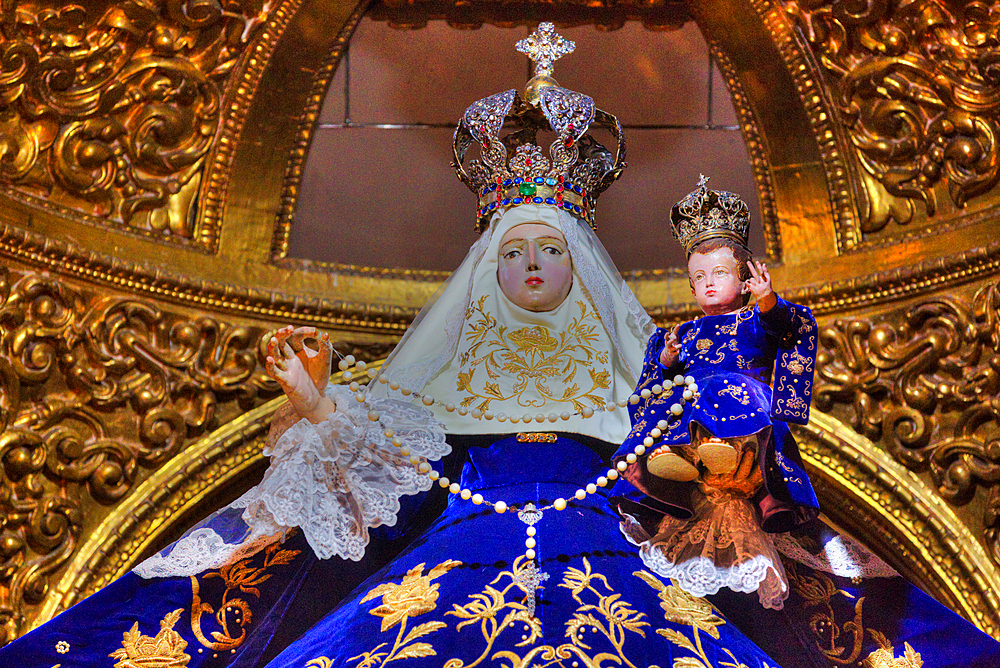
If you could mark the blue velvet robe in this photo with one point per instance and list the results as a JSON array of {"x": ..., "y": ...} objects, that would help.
[{"x": 445, "y": 599}]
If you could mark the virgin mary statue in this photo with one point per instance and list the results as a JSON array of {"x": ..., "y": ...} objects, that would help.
[{"x": 454, "y": 511}]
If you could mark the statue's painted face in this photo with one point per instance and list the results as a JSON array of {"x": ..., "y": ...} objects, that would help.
[
  {"x": 715, "y": 281},
  {"x": 534, "y": 268}
]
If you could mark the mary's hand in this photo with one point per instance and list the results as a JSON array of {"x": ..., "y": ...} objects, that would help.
[
  {"x": 301, "y": 371},
  {"x": 671, "y": 350}
]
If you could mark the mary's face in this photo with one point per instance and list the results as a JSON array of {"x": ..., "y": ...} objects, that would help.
[{"x": 534, "y": 268}]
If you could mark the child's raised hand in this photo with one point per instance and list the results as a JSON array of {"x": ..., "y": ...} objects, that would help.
[
  {"x": 301, "y": 371},
  {"x": 759, "y": 284},
  {"x": 671, "y": 349}
]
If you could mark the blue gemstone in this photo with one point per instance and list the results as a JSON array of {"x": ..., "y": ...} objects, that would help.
[
  {"x": 506, "y": 201},
  {"x": 549, "y": 200},
  {"x": 576, "y": 208},
  {"x": 493, "y": 206},
  {"x": 537, "y": 200},
  {"x": 576, "y": 189},
  {"x": 567, "y": 205},
  {"x": 507, "y": 183},
  {"x": 518, "y": 180},
  {"x": 539, "y": 180},
  {"x": 550, "y": 182},
  {"x": 517, "y": 200}
]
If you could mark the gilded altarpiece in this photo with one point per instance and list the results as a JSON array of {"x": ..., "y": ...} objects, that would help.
[{"x": 144, "y": 222}]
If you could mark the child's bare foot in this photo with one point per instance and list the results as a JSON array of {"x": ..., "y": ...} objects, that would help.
[
  {"x": 718, "y": 456},
  {"x": 664, "y": 462}
]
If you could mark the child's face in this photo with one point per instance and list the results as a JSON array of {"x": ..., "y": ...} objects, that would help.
[{"x": 715, "y": 281}]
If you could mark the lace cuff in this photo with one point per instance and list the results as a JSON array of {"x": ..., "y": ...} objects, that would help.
[
  {"x": 721, "y": 545},
  {"x": 334, "y": 480},
  {"x": 840, "y": 555}
]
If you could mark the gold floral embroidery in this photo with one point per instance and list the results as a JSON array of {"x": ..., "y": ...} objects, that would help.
[
  {"x": 885, "y": 656},
  {"x": 737, "y": 393},
  {"x": 533, "y": 356},
  {"x": 235, "y": 612},
  {"x": 536, "y": 437},
  {"x": 703, "y": 344},
  {"x": 165, "y": 650},
  {"x": 414, "y": 596}
]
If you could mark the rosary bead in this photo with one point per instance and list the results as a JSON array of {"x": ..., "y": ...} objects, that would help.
[
  {"x": 676, "y": 409},
  {"x": 343, "y": 365},
  {"x": 477, "y": 499},
  {"x": 657, "y": 389},
  {"x": 531, "y": 531},
  {"x": 622, "y": 403},
  {"x": 591, "y": 488},
  {"x": 580, "y": 494},
  {"x": 655, "y": 432},
  {"x": 444, "y": 482},
  {"x": 462, "y": 410},
  {"x": 501, "y": 417},
  {"x": 646, "y": 393},
  {"x": 500, "y": 507},
  {"x": 648, "y": 441},
  {"x": 488, "y": 415},
  {"x": 432, "y": 474},
  {"x": 454, "y": 488},
  {"x": 405, "y": 391},
  {"x": 427, "y": 399},
  {"x": 405, "y": 451},
  {"x": 354, "y": 386},
  {"x": 688, "y": 394},
  {"x": 361, "y": 397},
  {"x": 693, "y": 387},
  {"x": 393, "y": 385},
  {"x": 630, "y": 458},
  {"x": 397, "y": 441},
  {"x": 361, "y": 366},
  {"x": 530, "y": 554},
  {"x": 689, "y": 380},
  {"x": 552, "y": 417},
  {"x": 540, "y": 417},
  {"x": 466, "y": 494},
  {"x": 424, "y": 468},
  {"x": 531, "y": 542},
  {"x": 350, "y": 359},
  {"x": 514, "y": 419},
  {"x": 566, "y": 415},
  {"x": 348, "y": 375},
  {"x": 389, "y": 433},
  {"x": 372, "y": 373},
  {"x": 662, "y": 424},
  {"x": 373, "y": 416},
  {"x": 612, "y": 474},
  {"x": 450, "y": 408},
  {"x": 610, "y": 406},
  {"x": 602, "y": 481},
  {"x": 414, "y": 460},
  {"x": 634, "y": 399},
  {"x": 587, "y": 411},
  {"x": 382, "y": 379},
  {"x": 622, "y": 466},
  {"x": 476, "y": 413},
  {"x": 640, "y": 450},
  {"x": 559, "y": 504}
]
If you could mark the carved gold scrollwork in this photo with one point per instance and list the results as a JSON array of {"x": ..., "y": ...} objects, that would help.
[
  {"x": 92, "y": 392},
  {"x": 112, "y": 112},
  {"x": 927, "y": 387},
  {"x": 917, "y": 85}
]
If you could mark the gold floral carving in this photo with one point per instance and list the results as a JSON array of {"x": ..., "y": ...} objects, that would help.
[
  {"x": 533, "y": 356},
  {"x": 111, "y": 111},
  {"x": 234, "y": 611},
  {"x": 95, "y": 391},
  {"x": 165, "y": 650},
  {"x": 884, "y": 656},
  {"x": 916, "y": 87},
  {"x": 924, "y": 383}
]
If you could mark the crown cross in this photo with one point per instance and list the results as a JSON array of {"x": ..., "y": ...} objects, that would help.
[{"x": 544, "y": 47}]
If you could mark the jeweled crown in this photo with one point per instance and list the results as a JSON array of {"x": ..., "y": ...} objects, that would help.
[
  {"x": 513, "y": 170},
  {"x": 709, "y": 214}
]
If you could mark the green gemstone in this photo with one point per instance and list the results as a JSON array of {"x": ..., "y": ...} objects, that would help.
[{"x": 527, "y": 189}]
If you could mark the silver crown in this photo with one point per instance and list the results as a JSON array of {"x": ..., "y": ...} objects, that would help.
[{"x": 709, "y": 214}]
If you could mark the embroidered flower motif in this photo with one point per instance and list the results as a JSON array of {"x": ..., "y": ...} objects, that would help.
[
  {"x": 62, "y": 647},
  {"x": 414, "y": 596},
  {"x": 703, "y": 344},
  {"x": 534, "y": 338},
  {"x": 681, "y": 607},
  {"x": 884, "y": 657},
  {"x": 166, "y": 650}
]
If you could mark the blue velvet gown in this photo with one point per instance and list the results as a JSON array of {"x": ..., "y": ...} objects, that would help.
[{"x": 454, "y": 597}]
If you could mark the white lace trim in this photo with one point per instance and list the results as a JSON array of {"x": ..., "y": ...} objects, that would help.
[
  {"x": 334, "y": 480},
  {"x": 720, "y": 546},
  {"x": 841, "y": 555}
]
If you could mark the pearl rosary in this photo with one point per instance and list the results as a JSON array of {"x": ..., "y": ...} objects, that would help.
[{"x": 529, "y": 514}]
